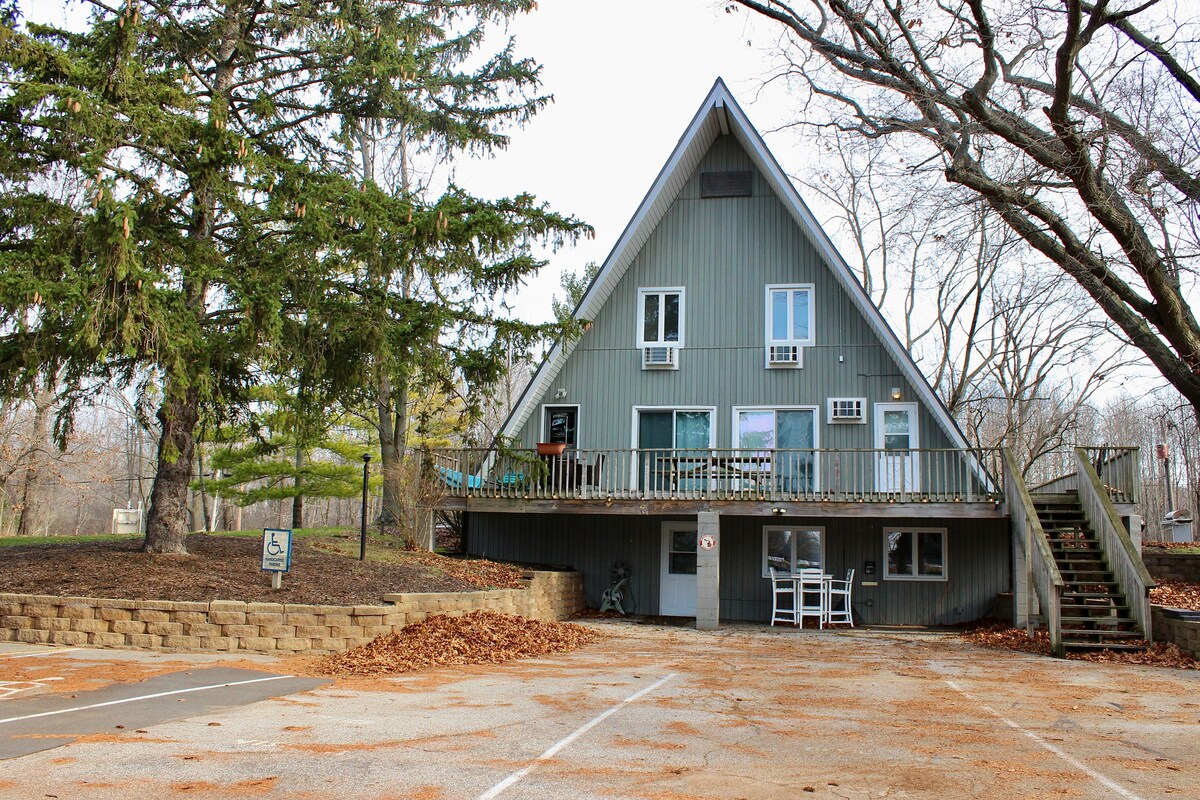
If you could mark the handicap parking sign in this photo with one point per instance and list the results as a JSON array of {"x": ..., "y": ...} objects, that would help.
[{"x": 277, "y": 550}]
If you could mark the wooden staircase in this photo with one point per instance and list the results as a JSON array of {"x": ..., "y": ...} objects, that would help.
[{"x": 1095, "y": 614}]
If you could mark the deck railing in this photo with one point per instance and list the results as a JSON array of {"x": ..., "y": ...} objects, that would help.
[
  {"x": 723, "y": 474},
  {"x": 1117, "y": 468},
  {"x": 1041, "y": 577}
]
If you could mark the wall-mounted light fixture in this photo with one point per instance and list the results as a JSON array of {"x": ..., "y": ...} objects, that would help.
[
  {"x": 560, "y": 394},
  {"x": 779, "y": 511},
  {"x": 895, "y": 392}
]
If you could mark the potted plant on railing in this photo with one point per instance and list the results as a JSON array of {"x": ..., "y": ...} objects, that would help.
[{"x": 551, "y": 448}]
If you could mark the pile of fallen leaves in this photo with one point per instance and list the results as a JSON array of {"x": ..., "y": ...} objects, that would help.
[
  {"x": 477, "y": 572},
  {"x": 481, "y": 637},
  {"x": 1159, "y": 654},
  {"x": 1002, "y": 635},
  {"x": 1176, "y": 594},
  {"x": 1170, "y": 545}
]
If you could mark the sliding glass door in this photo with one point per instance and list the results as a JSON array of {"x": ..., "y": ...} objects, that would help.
[
  {"x": 763, "y": 431},
  {"x": 661, "y": 434}
]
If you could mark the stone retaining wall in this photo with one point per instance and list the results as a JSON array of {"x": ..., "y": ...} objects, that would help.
[
  {"x": 1183, "y": 629},
  {"x": 1168, "y": 566},
  {"x": 226, "y": 625}
]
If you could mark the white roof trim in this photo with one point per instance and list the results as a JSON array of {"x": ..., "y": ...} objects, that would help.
[{"x": 718, "y": 111}]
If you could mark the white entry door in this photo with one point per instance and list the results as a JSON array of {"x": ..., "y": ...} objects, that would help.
[
  {"x": 896, "y": 434},
  {"x": 677, "y": 598}
]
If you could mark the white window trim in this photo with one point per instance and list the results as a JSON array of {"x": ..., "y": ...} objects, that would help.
[
  {"x": 816, "y": 412},
  {"x": 812, "y": 314},
  {"x": 633, "y": 430},
  {"x": 641, "y": 315},
  {"x": 543, "y": 431},
  {"x": 922, "y": 578},
  {"x": 820, "y": 529},
  {"x": 829, "y": 403}
]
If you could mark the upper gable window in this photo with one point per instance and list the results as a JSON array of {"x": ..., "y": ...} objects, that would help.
[
  {"x": 660, "y": 317},
  {"x": 789, "y": 323}
]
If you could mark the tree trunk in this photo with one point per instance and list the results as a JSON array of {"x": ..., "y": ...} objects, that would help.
[
  {"x": 298, "y": 499},
  {"x": 33, "y": 511},
  {"x": 166, "y": 525},
  {"x": 391, "y": 451}
]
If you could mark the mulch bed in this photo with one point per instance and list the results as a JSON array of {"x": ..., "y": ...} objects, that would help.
[
  {"x": 1002, "y": 635},
  {"x": 227, "y": 568},
  {"x": 481, "y": 637}
]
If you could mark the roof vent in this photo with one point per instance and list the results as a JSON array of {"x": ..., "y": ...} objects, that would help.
[{"x": 725, "y": 184}]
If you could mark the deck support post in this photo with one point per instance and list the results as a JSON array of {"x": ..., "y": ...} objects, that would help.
[
  {"x": 708, "y": 570},
  {"x": 1025, "y": 602}
]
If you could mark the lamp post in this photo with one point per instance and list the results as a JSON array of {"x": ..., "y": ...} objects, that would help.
[{"x": 362, "y": 542}]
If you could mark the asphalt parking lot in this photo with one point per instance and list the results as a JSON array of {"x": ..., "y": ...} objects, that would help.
[{"x": 646, "y": 712}]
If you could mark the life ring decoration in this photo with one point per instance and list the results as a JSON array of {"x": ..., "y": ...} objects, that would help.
[{"x": 708, "y": 542}]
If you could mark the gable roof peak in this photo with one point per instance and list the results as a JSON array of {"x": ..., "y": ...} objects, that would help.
[{"x": 719, "y": 114}]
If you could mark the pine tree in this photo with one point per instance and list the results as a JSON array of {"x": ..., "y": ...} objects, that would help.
[{"x": 212, "y": 217}]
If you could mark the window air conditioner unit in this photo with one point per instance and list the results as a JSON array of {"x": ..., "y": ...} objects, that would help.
[
  {"x": 847, "y": 409},
  {"x": 783, "y": 354},
  {"x": 659, "y": 356}
]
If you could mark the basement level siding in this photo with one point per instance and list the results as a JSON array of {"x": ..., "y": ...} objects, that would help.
[{"x": 978, "y": 559}]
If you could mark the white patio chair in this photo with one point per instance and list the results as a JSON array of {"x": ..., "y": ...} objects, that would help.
[
  {"x": 838, "y": 600},
  {"x": 783, "y": 585},
  {"x": 810, "y": 596}
]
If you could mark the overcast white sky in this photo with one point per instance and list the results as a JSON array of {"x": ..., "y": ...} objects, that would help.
[{"x": 627, "y": 76}]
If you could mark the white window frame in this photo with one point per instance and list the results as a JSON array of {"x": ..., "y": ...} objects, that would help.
[
  {"x": 544, "y": 432},
  {"x": 812, "y": 318},
  {"x": 641, "y": 315},
  {"x": 734, "y": 444},
  {"x": 888, "y": 576},
  {"x": 767, "y": 529},
  {"x": 831, "y": 401}
]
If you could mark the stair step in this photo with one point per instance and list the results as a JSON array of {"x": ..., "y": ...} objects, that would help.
[
  {"x": 1092, "y": 607},
  {"x": 1072, "y": 645},
  {"x": 1107, "y": 620}
]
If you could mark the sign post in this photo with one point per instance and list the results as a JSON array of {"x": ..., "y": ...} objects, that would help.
[{"x": 276, "y": 554}]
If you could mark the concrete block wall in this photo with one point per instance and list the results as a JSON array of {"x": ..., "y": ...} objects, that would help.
[
  {"x": 1168, "y": 566},
  {"x": 234, "y": 626},
  {"x": 1170, "y": 628}
]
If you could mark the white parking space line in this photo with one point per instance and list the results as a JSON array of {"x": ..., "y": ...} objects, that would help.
[
  {"x": 1103, "y": 780},
  {"x": 39, "y": 653},
  {"x": 511, "y": 780},
  {"x": 143, "y": 697}
]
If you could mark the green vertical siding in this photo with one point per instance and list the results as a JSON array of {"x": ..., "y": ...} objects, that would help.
[
  {"x": 725, "y": 252},
  {"x": 977, "y": 554}
]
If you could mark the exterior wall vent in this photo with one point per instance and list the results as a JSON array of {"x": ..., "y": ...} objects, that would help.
[
  {"x": 726, "y": 184},
  {"x": 784, "y": 355},
  {"x": 848, "y": 410},
  {"x": 660, "y": 357}
]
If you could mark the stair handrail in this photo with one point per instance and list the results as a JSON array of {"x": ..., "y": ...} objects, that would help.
[
  {"x": 1041, "y": 568},
  {"x": 1131, "y": 574}
]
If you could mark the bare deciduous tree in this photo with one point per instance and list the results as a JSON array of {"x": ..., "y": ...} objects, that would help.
[{"x": 1074, "y": 121}]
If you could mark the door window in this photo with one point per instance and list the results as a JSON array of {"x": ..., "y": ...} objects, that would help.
[
  {"x": 897, "y": 430},
  {"x": 562, "y": 425},
  {"x": 681, "y": 560}
]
